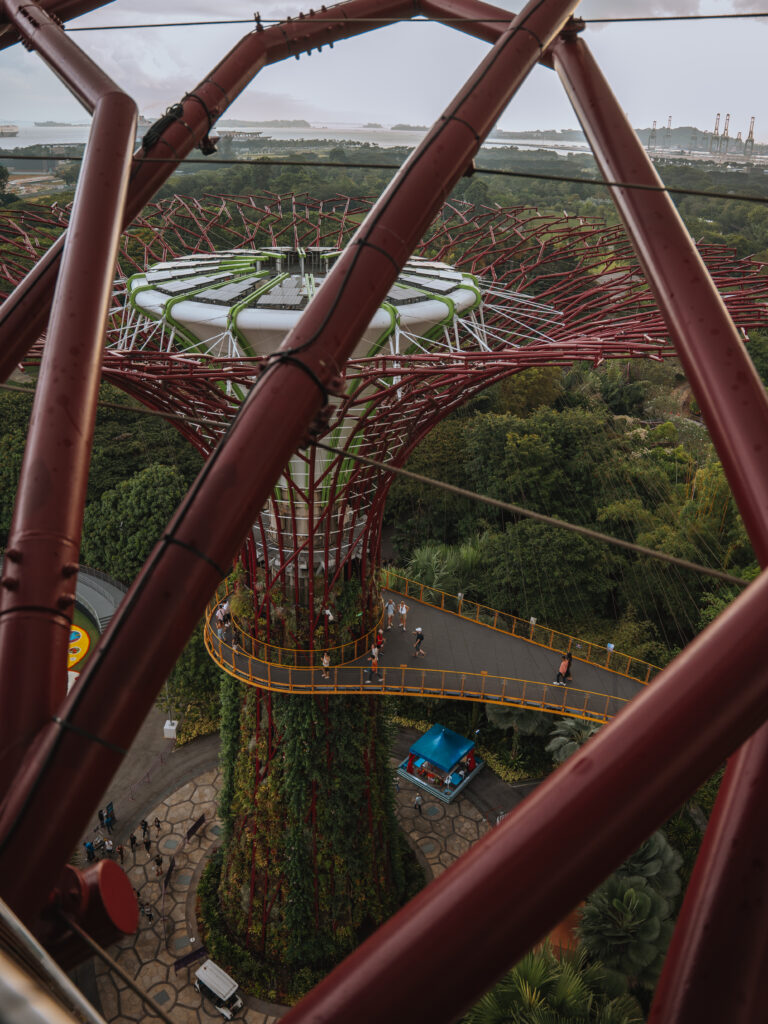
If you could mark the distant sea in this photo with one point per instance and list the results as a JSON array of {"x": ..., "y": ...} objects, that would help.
[{"x": 30, "y": 135}]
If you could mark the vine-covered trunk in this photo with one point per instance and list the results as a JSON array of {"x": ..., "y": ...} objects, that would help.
[{"x": 313, "y": 861}]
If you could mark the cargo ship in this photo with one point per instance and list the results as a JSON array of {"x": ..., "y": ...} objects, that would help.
[{"x": 8, "y": 131}]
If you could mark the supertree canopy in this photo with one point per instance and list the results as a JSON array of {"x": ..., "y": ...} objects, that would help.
[{"x": 209, "y": 287}]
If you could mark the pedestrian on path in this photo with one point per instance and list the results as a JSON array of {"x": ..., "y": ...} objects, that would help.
[
  {"x": 156, "y": 823},
  {"x": 403, "y": 612},
  {"x": 101, "y": 818},
  {"x": 374, "y": 660},
  {"x": 132, "y": 838},
  {"x": 564, "y": 670},
  {"x": 147, "y": 846},
  {"x": 158, "y": 865},
  {"x": 109, "y": 821},
  {"x": 144, "y": 828},
  {"x": 326, "y": 665},
  {"x": 418, "y": 650},
  {"x": 389, "y": 608},
  {"x": 108, "y": 847},
  {"x": 90, "y": 853},
  {"x": 121, "y": 852},
  {"x": 418, "y": 801}
]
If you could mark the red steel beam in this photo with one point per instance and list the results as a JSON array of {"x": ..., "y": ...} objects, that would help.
[
  {"x": 37, "y": 590},
  {"x": 722, "y": 929},
  {"x": 62, "y": 9},
  {"x": 66, "y": 770},
  {"x": 735, "y": 408},
  {"x": 23, "y": 314}
]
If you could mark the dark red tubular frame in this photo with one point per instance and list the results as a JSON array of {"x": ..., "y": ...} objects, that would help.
[
  {"x": 526, "y": 874},
  {"x": 24, "y": 313},
  {"x": 59, "y": 11},
  {"x": 106, "y": 708},
  {"x": 728, "y": 891},
  {"x": 38, "y": 587}
]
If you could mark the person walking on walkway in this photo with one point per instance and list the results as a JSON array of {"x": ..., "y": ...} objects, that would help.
[
  {"x": 418, "y": 650},
  {"x": 158, "y": 865},
  {"x": 156, "y": 823},
  {"x": 564, "y": 670},
  {"x": 374, "y": 659},
  {"x": 389, "y": 608},
  {"x": 418, "y": 801},
  {"x": 326, "y": 665},
  {"x": 403, "y": 612},
  {"x": 147, "y": 846},
  {"x": 121, "y": 852},
  {"x": 132, "y": 839},
  {"x": 101, "y": 818},
  {"x": 144, "y": 828}
]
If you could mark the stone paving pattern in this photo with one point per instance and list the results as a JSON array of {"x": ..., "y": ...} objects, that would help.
[{"x": 439, "y": 834}]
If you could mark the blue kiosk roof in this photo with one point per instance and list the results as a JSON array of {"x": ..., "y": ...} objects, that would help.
[{"x": 442, "y": 747}]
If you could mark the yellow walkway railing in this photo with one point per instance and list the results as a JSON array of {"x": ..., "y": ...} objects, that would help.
[
  {"x": 523, "y": 629},
  {"x": 413, "y": 682},
  {"x": 341, "y": 654}
]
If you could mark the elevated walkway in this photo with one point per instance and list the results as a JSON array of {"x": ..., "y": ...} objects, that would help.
[{"x": 464, "y": 660}]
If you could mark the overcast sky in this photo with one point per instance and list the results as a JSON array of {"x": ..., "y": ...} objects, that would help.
[{"x": 409, "y": 72}]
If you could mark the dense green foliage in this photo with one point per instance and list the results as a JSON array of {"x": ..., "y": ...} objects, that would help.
[
  {"x": 232, "y": 698},
  {"x": 658, "y": 484},
  {"x": 627, "y": 925},
  {"x": 124, "y": 443},
  {"x": 122, "y": 528},
  {"x": 548, "y": 989},
  {"x": 568, "y": 735}
]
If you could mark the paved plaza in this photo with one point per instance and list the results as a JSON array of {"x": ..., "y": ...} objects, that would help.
[{"x": 438, "y": 835}]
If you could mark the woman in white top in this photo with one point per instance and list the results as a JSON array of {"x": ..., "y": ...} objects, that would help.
[{"x": 403, "y": 612}]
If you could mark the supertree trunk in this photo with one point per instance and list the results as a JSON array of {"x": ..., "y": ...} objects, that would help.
[{"x": 314, "y": 860}]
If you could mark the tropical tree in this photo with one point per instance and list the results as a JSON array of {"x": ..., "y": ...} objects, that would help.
[
  {"x": 567, "y": 736},
  {"x": 626, "y": 925},
  {"x": 657, "y": 863},
  {"x": 546, "y": 989},
  {"x": 528, "y": 731},
  {"x": 120, "y": 530}
]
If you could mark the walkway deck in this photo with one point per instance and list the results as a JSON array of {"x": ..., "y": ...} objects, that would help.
[{"x": 463, "y": 660}]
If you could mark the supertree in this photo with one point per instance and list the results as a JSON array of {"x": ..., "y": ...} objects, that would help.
[
  {"x": 208, "y": 289},
  {"x": 68, "y": 745}
]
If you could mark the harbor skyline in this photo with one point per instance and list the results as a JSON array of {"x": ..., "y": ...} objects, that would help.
[{"x": 699, "y": 69}]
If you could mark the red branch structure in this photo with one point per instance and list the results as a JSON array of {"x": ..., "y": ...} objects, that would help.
[
  {"x": 585, "y": 299},
  {"x": 681, "y": 724}
]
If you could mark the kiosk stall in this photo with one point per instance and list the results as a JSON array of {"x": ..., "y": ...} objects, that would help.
[{"x": 441, "y": 762}]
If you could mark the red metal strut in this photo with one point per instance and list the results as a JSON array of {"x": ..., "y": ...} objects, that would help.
[
  {"x": 727, "y": 894},
  {"x": 37, "y": 593}
]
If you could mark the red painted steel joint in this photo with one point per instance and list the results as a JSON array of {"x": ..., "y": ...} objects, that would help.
[{"x": 98, "y": 897}]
